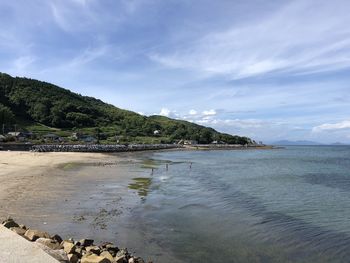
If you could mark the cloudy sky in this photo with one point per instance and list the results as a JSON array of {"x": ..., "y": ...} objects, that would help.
[{"x": 267, "y": 69}]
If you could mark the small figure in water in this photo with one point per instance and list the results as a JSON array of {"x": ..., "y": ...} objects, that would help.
[
  {"x": 190, "y": 165},
  {"x": 152, "y": 171},
  {"x": 167, "y": 167}
]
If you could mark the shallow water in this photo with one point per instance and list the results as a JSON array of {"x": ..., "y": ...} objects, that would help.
[
  {"x": 285, "y": 205},
  {"x": 281, "y": 205}
]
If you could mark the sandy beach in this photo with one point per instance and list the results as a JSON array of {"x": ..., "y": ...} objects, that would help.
[
  {"x": 19, "y": 170},
  {"x": 60, "y": 191}
]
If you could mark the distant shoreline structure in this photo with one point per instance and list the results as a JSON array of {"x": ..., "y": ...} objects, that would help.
[{"x": 111, "y": 148}]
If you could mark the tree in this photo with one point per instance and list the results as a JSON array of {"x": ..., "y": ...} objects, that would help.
[{"x": 6, "y": 115}]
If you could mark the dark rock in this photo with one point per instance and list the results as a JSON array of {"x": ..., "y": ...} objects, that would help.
[
  {"x": 57, "y": 238},
  {"x": 23, "y": 227},
  {"x": 112, "y": 249},
  {"x": 86, "y": 242},
  {"x": 94, "y": 249},
  {"x": 10, "y": 223},
  {"x": 73, "y": 258}
]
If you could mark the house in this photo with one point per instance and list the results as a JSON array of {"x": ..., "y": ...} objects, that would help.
[
  {"x": 156, "y": 132},
  {"x": 217, "y": 142},
  {"x": 51, "y": 137},
  {"x": 2, "y": 138},
  {"x": 16, "y": 134},
  {"x": 187, "y": 142},
  {"x": 84, "y": 138},
  {"x": 88, "y": 139},
  {"x": 19, "y": 136}
]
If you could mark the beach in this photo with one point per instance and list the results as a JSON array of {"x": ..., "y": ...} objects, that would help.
[
  {"x": 169, "y": 206},
  {"x": 63, "y": 191}
]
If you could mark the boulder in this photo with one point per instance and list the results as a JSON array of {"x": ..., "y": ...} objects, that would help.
[
  {"x": 8, "y": 223},
  {"x": 92, "y": 258},
  {"x": 18, "y": 230},
  {"x": 119, "y": 259},
  {"x": 23, "y": 226},
  {"x": 33, "y": 235},
  {"x": 94, "y": 249},
  {"x": 68, "y": 247},
  {"x": 57, "y": 238},
  {"x": 113, "y": 250},
  {"x": 52, "y": 244},
  {"x": 108, "y": 255},
  {"x": 73, "y": 258},
  {"x": 86, "y": 242}
]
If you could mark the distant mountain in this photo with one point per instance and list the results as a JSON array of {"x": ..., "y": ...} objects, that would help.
[
  {"x": 339, "y": 143},
  {"x": 302, "y": 142},
  {"x": 39, "y": 107}
]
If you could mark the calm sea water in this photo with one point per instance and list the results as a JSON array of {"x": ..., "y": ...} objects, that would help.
[{"x": 282, "y": 205}]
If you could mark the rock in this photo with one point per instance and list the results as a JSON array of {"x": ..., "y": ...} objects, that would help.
[
  {"x": 33, "y": 235},
  {"x": 94, "y": 249},
  {"x": 86, "y": 242},
  {"x": 92, "y": 258},
  {"x": 73, "y": 258},
  {"x": 57, "y": 238},
  {"x": 68, "y": 247},
  {"x": 80, "y": 251},
  {"x": 122, "y": 252},
  {"x": 131, "y": 260},
  {"x": 107, "y": 255},
  {"x": 53, "y": 244},
  {"x": 119, "y": 259},
  {"x": 8, "y": 223},
  {"x": 113, "y": 250},
  {"x": 23, "y": 226},
  {"x": 18, "y": 230}
]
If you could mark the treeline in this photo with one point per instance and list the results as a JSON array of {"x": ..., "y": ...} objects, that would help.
[{"x": 45, "y": 103}]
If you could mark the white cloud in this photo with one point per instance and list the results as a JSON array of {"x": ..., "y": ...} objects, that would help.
[
  {"x": 192, "y": 112},
  {"x": 165, "y": 112},
  {"x": 294, "y": 39},
  {"x": 169, "y": 113},
  {"x": 211, "y": 112},
  {"x": 332, "y": 126}
]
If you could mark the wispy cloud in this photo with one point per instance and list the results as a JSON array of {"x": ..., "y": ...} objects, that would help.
[
  {"x": 332, "y": 126},
  {"x": 295, "y": 39}
]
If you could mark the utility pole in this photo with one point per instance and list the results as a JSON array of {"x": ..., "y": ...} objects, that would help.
[
  {"x": 3, "y": 129},
  {"x": 15, "y": 127}
]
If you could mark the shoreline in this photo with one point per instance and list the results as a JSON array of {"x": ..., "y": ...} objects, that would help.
[
  {"x": 116, "y": 148},
  {"x": 49, "y": 191}
]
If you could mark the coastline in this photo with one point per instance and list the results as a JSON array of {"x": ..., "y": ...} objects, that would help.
[{"x": 55, "y": 192}]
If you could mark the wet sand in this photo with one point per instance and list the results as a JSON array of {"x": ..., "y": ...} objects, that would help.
[{"x": 67, "y": 193}]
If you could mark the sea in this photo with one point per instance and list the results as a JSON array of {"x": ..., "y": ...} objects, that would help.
[{"x": 290, "y": 204}]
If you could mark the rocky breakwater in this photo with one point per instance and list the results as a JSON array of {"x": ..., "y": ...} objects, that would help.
[
  {"x": 70, "y": 251},
  {"x": 101, "y": 147}
]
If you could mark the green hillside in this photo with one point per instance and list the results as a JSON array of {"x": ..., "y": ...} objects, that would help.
[{"x": 41, "y": 107}]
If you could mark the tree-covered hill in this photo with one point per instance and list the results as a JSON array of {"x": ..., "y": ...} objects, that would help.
[{"x": 27, "y": 103}]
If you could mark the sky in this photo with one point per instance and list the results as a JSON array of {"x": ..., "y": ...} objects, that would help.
[{"x": 266, "y": 69}]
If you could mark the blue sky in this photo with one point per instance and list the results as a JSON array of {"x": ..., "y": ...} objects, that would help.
[{"x": 270, "y": 70}]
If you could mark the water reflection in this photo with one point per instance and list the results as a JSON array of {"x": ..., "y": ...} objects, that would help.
[{"x": 142, "y": 185}]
